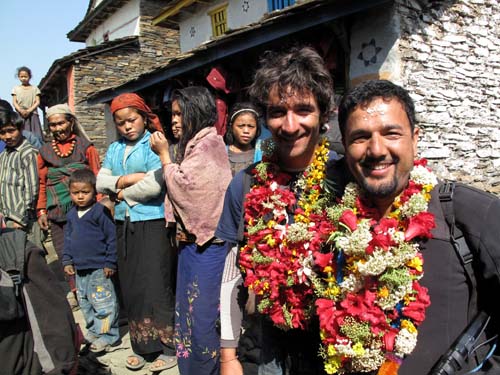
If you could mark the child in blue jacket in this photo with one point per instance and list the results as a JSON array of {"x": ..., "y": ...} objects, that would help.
[{"x": 90, "y": 252}]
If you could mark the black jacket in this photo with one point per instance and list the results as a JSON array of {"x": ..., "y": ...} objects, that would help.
[{"x": 477, "y": 215}]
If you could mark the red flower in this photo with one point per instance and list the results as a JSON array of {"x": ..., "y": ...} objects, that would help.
[
  {"x": 381, "y": 236},
  {"x": 416, "y": 309},
  {"x": 322, "y": 260},
  {"x": 348, "y": 218},
  {"x": 422, "y": 162},
  {"x": 420, "y": 226}
]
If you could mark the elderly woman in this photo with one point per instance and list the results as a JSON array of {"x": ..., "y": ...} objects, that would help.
[
  {"x": 196, "y": 183},
  {"x": 69, "y": 150},
  {"x": 131, "y": 175}
]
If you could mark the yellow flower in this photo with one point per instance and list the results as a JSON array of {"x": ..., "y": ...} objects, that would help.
[
  {"x": 408, "y": 325},
  {"x": 328, "y": 269},
  {"x": 270, "y": 240},
  {"x": 358, "y": 349},
  {"x": 331, "y": 351},
  {"x": 383, "y": 292},
  {"x": 415, "y": 263}
]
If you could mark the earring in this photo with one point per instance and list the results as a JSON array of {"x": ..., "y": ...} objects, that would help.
[
  {"x": 324, "y": 127},
  {"x": 269, "y": 147}
]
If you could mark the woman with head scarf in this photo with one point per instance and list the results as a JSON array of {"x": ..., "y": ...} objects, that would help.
[
  {"x": 196, "y": 183},
  {"x": 131, "y": 176},
  {"x": 69, "y": 150}
]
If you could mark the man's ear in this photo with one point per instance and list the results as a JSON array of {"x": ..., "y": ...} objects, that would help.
[{"x": 416, "y": 132}]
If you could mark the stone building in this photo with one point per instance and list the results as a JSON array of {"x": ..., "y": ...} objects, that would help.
[
  {"x": 445, "y": 52},
  {"x": 121, "y": 43}
]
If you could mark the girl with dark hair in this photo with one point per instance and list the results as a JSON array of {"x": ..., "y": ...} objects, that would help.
[
  {"x": 242, "y": 136},
  {"x": 146, "y": 254},
  {"x": 196, "y": 183},
  {"x": 26, "y": 99}
]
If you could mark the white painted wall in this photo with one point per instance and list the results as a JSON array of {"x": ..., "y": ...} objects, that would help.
[
  {"x": 374, "y": 47},
  {"x": 197, "y": 29},
  {"x": 125, "y": 22}
]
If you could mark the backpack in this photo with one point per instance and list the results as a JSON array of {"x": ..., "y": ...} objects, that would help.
[
  {"x": 477, "y": 319},
  {"x": 12, "y": 245}
]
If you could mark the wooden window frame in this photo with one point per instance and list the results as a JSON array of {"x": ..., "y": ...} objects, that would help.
[{"x": 219, "y": 27}]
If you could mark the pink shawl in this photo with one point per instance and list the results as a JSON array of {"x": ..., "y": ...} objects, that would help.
[{"x": 196, "y": 187}]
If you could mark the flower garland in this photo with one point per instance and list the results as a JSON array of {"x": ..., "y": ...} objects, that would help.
[
  {"x": 277, "y": 257},
  {"x": 369, "y": 298}
]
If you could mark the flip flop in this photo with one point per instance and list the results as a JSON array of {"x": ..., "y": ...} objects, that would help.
[
  {"x": 140, "y": 362},
  {"x": 168, "y": 360},
  {"x": 98, "y": 347}
]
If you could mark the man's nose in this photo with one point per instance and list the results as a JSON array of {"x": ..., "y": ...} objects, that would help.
[
  {"x": 376, "y": 146},
  {"x": 290, "y": 122}
]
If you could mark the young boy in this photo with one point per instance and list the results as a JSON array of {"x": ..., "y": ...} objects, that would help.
[
  {"x": 90, "y": 252},
  {"x": 18, "y": 175}
]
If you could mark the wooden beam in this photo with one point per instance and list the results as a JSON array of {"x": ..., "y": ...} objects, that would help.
[{"x": 171, "y": 11}]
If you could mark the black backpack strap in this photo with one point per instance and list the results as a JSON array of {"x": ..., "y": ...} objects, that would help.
[{"x": 457, "y": 238}]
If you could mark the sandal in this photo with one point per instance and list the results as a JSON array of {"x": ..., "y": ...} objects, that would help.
[
  {"x": 140, "y": 362},
  {"x": 169, "y": 361},
  {"x": 98, "y": 347}
]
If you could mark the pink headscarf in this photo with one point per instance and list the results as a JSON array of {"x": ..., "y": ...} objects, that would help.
[{"x": 135, "y": 101}]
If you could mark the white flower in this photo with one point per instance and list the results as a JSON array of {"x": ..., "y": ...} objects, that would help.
[
  {"x": 355, "y": 243},
  {"x": 351, "y": 283},
  {"x": 375, "y": 264},
  {"x": 416, "y": 204},
  {"x": 405, "y": 342},
  {"x": 421, "y": 175}
]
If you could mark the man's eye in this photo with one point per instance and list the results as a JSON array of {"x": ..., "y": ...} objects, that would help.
[{"x": 275, "y": 113}]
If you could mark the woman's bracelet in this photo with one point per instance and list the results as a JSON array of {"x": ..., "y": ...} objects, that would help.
[{"x": 228, "y": 360}]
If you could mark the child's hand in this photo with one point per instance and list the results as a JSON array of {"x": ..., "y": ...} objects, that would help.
[
  {"x": 108, "y": 272},
  {"x": 69, "y": 270}
]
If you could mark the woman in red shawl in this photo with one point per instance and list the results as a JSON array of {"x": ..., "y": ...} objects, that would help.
[{"x": 69, "y": 150}]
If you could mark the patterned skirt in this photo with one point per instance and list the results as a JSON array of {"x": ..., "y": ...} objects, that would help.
[
  {"x": 146, "y": 270},
  {"x": 197, "y": 338}
]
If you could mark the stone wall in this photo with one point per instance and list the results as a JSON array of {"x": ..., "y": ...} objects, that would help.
[
  {"x": 450, "y": 54},
  {"x": 154, "y": 47}
]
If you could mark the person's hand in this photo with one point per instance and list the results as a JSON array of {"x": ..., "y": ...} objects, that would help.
[
  {"x": 159, "y": 144},
  {"x": 231, "y": 368},
  {"x": 17, "y": 225},
  {"x": 229, "y": 363},
  {"x": 108, "y": 272},
  {"x": 43, "y": 221},
  {"x": 69, "y": 270}
]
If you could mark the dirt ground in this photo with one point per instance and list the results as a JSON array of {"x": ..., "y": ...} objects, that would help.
[{"x": 112, "y": 362}]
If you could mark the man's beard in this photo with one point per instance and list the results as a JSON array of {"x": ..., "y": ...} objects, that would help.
[{"x": 380, "y": 191}]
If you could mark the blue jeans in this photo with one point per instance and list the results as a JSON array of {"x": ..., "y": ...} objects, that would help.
[{"x": 99, "y": 305}]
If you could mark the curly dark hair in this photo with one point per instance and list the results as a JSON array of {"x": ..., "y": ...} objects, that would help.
[
  {"x": 300, "y": 69},
  {"x": 365, "y": 92},
  {"x": 197, "y": 105},
  {"x": 239, "y": 109}
]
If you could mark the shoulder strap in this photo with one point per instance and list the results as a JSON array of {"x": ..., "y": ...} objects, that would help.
[{"x": 457, "y": 238}]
